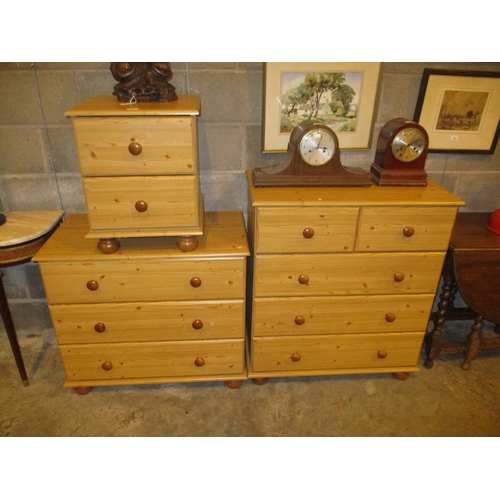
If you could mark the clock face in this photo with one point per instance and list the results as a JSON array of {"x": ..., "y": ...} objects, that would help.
[
  {"x": 317, "y": 147},
  {"x": 408, "y": 144}
]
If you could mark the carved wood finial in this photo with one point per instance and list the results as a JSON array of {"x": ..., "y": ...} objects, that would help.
[{"x": 144, "y": 81}]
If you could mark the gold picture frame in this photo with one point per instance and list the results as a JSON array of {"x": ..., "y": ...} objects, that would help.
[
  {"x": 460, "y": 110},
  {"x": 346, "y": 104}
]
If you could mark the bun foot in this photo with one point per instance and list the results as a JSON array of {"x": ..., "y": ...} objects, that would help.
[
  {"x": 187, "y": 243},
  {"x": 429, "y": 363},
  {"x": 233, "y": 384},
  {"x": 81, "y": 391},
  {"x": 260, "y": 381},
  {"x": 401, "y": 375},
  {"x": 465, "y": 366},
  {"x": 108, "y": 245}
]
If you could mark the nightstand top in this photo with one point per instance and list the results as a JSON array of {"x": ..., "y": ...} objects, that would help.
[{"x": 108, "y": 105}]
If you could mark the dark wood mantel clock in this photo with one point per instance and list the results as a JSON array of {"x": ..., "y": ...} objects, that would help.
[
  {"x": 401, "y": 153},
  {"x": 312, "y": 159}
]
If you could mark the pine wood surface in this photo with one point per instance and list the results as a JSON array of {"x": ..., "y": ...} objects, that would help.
[
  {"x": 278, "y": 316},
  {"x": 171, "y": 202},
  {"x": 433, "y": 194},
  {"x": 331, "y": 352},
  {"x": 148, "y": 321},
  {"x": 168, "y": 145},
  {"x": 108, "y": 105},
  {"x": 131, "y": 360},
  {"x": 224, "y": 237},
  {"x": 346, "y": 274},
  {"x": 281, "y": 229}
]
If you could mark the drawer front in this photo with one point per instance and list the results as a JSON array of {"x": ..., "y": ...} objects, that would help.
[
  {"x": 116, "y": 203},
  {"x": 148, "y": 321},
  {"x": 153, "y": 359},
  {"x": 335, "y": 352},
  {"x": 167, "y": 145},
  {"x": 405, "y": 229},
  {"x": 346, "y": 274},
  {"x": 133, "y": 281},
  {"x": 328, "y": 315},
  {"x": 307, "y": 229}
]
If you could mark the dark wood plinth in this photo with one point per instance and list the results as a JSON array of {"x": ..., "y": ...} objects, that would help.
[{"x": 471, "y": 267}]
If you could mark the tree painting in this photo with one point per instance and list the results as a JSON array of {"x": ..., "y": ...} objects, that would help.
[{"x": 331, "y": 97}]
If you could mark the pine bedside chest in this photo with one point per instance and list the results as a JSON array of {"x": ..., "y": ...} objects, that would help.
[
  {"x": 139, "y": 164},
  {"x": 343, "y": 279},
  {"x": 148, "y": 313}
]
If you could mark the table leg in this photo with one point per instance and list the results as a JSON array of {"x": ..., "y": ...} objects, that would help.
[
  {"x": 11, "y": 332},
  {"x": 433, "y": 341},
  {"x": 472, "y": 343}
]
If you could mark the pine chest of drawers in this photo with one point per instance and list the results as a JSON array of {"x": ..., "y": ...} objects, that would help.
[
  {"x": 139, "y": 166},
  {"x": 148, "y": 313},
  {"x": 343, "y": 279}
]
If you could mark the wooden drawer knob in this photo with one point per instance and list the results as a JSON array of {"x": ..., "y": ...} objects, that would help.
[
  {"x": 100, "y": 327},
  {"x": 195, "y": 282},
  {"x": 92, "y": 285},
  {"x": 390, "y": 317},
  {"x": 303, "y": 279},
  {"x": 141, "y": 206},
  {"x": 308, "y": 232},
  {"x": 408, "y": 231},
  {"x": 299, "y": 320},
  {"x": 197, "y": 324},
  {"x": 399, "y": 277},
  {"x": 135, "y": 148},
  {"x": 107, "y": 366},
  {"x": 382, "y": 354},
  {"x": 199, "y": 362},
  {"x": 295, "y": 357}
]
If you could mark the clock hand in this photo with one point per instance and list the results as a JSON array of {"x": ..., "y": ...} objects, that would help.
[{"x": 320, "y": 139}]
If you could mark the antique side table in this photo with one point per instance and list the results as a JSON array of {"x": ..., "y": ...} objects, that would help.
[
  {"x": 21, "y": 236},
  {"x": 472, "y": 267}
]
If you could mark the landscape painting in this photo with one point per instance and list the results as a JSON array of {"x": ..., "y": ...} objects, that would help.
[
  {"x": 461, "y": 110},
  {"x": 331, "y": 97}
]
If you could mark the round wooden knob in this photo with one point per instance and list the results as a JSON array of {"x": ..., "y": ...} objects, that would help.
[
  {"x": 399, "y": 277},
  {"x": 382, "y": 354},
  {"x": 92, "y": 285},
  {"x": 303, "y": 279},
  {"x": 308, "y": 232},
  {"x": 390, "y": 317},
  {"x": 299, "y": 320},
  {"x": 195, "y": 282},
  {"x": 135, "y": 148},
  {"x": 295, "y": 357},
  {"x": 199, "y": 361},
  {"x": 197, "y": 324},
  {"x": 107, "y": 366},
  {"x": 408, "y": 231},
  {"x": 141, "y": 206},
  {"x": 100, "y": 327}
]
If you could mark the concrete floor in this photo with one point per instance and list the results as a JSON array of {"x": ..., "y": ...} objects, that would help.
[{"x": 443, "y": 401}]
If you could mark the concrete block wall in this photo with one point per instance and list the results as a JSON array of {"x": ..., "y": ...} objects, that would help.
[{"x": 39, "y": 165}]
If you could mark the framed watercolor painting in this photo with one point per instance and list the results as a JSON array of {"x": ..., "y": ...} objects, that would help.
[
  {"x": 460, "y": 110},
  {"x": 342, "y": 95}
]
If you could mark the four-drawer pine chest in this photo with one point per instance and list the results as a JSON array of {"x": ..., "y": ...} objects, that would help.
[
  {"x": 343, "y": 279},
  {"x": 148, "y": 313},
  {"x": 139, "y": 166}
]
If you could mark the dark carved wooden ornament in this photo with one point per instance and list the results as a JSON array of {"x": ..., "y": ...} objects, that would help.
[{"x": 143, "y": 81}]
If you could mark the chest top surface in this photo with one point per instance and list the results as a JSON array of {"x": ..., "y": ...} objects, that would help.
[
  {"x": 224, "y": 237},
  {"x": 432, "y": 195},
  {"x": 108, "y": 105}
]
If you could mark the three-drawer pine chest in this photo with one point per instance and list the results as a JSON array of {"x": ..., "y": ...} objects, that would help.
[
  {"x": 148, "y": 313},
  {"x": 342, "y": 279},
  {"x": 139, "y": 166}
]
